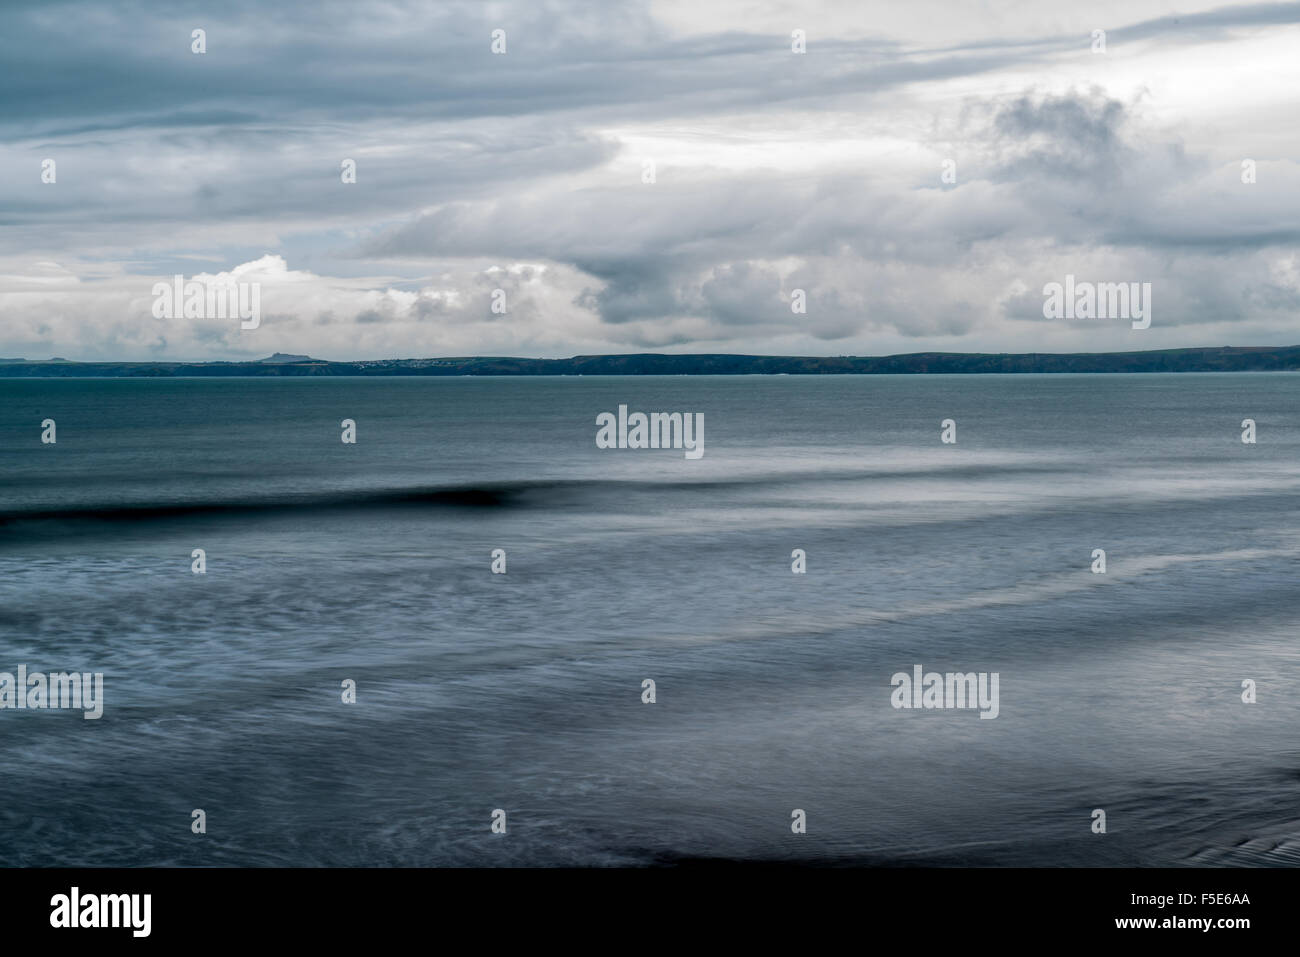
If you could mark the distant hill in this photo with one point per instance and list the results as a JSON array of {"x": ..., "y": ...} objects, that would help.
[{"x": 1214, "y": 359}]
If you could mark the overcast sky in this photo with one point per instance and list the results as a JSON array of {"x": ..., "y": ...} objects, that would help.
[{"x": 523, "y": 171}]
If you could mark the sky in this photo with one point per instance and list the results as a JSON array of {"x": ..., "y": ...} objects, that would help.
[{"x": 657, "y": 176}]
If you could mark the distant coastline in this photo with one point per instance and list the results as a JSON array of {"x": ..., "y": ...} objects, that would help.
[{"x": 1212, "y": 359}]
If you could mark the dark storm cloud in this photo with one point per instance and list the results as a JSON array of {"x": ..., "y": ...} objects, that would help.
[{"x": 1069, "y": 137}]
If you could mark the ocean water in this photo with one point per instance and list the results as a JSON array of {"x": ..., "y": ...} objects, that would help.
[{"x": 475, "y": 691}]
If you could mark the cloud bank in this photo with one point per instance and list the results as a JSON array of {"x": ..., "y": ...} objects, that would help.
[{"x": 644, "y": 176}]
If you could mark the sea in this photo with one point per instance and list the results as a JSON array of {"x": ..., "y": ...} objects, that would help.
[{"x": 504, "y": 719}]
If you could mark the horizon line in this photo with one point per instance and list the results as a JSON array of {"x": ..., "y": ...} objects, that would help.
[{"x": 302, "y": 358}]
